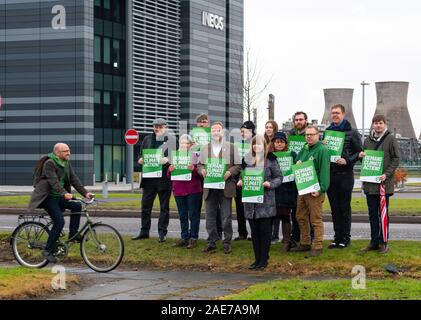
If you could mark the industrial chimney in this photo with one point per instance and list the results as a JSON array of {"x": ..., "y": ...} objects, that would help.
[
  {"x": 339, "y": 96},
  {"x": 271, "y": 107},
  {"x": 392, "y": 102}
]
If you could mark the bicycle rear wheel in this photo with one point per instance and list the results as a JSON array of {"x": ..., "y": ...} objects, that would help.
[
  {"x": 102, "y": 247},
  {"x": 28, "y": 243}
]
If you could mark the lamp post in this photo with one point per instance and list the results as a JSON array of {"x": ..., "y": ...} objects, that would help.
[{"x": 363, "y": 129}]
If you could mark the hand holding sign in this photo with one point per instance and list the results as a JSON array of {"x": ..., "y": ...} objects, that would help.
[{"x": 266, "y": 184}]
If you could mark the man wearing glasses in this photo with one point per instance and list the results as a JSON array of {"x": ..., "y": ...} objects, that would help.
[
  {"x": 310, "y": 206},
  {"x": 54, "y": 178}
]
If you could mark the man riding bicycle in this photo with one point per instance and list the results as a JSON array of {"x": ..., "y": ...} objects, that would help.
[{"x": 54, "y": 178}]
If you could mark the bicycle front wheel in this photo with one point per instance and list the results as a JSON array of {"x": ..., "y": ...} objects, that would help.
[
  {"x": 102, "y": 247},
  {"x": 28, "y": 243}
]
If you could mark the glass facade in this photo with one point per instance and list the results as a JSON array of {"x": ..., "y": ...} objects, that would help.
[{"x": 110, "y": 89}]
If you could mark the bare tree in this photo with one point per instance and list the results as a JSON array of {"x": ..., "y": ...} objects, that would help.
[{"x": 253, "y": 86}]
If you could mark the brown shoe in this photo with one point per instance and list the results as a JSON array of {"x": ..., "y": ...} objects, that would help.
[
  {"x": 301, "y": 248},
  {"x": 314, "y": 253},
  {"x": 181, "y": 243},
  {"x": 192, "y": 244},
  {"x": 227, "y": 248},
  {"x": 209, "y": 249},
  {"x": 370, "y": 247},
  {"x": 383, "y": 249}
]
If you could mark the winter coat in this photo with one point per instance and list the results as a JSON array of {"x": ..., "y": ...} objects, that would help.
[
  {"x": 149, "y": 142},
  {"x": 351, "y": 150},
  {"x": 50, "y": 178},
  {"x": 287, "y": 193},
  {"x": 273, "y": 175},
  {"x": 390, "y": 147}
]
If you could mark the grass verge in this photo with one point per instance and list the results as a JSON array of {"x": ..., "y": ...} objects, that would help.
[
  {"x": 359, "y": 205},
  {"x": 297, "y": 289},
  {"x": 21, "y": 283}
]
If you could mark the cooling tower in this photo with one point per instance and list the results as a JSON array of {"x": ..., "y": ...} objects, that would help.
[
  {"x": 392, "y": 102},
  {"x": 339, "y": 96}
]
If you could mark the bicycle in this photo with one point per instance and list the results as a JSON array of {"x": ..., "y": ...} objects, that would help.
[{"x": 101, "y": 245}]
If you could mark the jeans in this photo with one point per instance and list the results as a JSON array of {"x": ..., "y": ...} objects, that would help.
[
  {"x": 55, "y": 207},
  {"x": 148, "y": 198},
  {"x": 340, "y": 194},
  {"x": 260, "y": 236},
  {"x": 373, "y": 203},
  {"x": 188, "y": 210}
]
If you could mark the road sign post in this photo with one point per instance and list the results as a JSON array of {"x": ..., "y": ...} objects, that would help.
[{"x": 131, "y": 137}]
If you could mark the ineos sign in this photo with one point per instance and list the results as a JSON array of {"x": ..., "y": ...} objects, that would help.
[{"x": 212, "y": 21}]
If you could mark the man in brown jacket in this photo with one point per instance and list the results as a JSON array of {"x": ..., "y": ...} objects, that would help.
[
  {"x": 219, "y": 149},
  {"x": 380, "y": 139},
  {"x": 53, "y": 192}
]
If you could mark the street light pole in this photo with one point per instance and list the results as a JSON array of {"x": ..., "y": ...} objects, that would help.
[{"x": 363, "y": 129}]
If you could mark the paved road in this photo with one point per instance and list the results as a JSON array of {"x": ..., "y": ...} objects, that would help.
[{"x": 130, "y": 226}]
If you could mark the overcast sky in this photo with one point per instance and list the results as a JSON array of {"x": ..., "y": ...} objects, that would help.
[{"x": 308, "y": 45}]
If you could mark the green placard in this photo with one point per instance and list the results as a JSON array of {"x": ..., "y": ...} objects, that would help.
[
  {"x": 306, "y": 177},
  {"x": 334, "y": 143},
  {"x": 215, "y": 171},
  {"x": 372, "y": 166},
  {"x": 180, "y": 160},
  {"x": 285, "y": 162},
  {"x": 296, "y": 143},
  {"x": 253, "y": 190},
  {"x": 243, "y": 148},
  {"x": 152, "y": 165},
  {"x": 201, "y": 136}
]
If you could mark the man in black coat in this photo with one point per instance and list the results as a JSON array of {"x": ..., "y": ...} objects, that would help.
[
  {"x": 342, "y": 178},
  {"x": 54, "y": 178},
  {"x": 159, "y": 139}
]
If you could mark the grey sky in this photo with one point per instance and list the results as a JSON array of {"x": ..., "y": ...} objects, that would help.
[{"x": 309, "y": 45}]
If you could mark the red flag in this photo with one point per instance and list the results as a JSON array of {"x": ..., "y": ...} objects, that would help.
[{"x": 384, "y": 220}]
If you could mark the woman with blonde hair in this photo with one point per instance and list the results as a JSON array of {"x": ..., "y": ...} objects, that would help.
[{"x": 271, "y": 127}]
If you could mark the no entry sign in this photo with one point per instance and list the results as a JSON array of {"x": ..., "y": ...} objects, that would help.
[{"x": 131, "y": 137}]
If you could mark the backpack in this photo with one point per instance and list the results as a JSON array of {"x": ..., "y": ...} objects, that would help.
[{"x": 37, "y": 176}]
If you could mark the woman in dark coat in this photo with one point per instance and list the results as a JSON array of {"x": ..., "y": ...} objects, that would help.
[
  {"x": 260, "y": 215},
  {"x": 286, "y": 196}
]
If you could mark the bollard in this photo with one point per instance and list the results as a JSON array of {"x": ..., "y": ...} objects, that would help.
[
  {"x": 93, "y": 182},
  {"x": 105, "y": 189},
  {"x": 124, "y": 180},
  {"x": 106, "y": 176},
  {"x": 117, "y": 178}
]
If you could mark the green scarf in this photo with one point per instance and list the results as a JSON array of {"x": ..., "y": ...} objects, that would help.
[{"x": 61, "y": 164}]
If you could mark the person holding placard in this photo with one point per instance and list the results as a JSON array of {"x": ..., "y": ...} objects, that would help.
[
  {"x": 286, "y": 193},
  {"x": 379, "y": 164},
  {"x": 248, "y": 131},
  {"x": 201, "y": 136},
  {"x": 217, "y": 165},
  {"x": 154, "y": 163},
  {"x": 344, "y": 145},
  {"x": 296, "y": 141},
  {"x": 314, "y": 158},
  {"x": 261, "y": 210},
  {"x": 187, "y": 190}
]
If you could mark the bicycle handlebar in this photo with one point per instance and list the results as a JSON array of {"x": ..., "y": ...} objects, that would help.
[{"x": 84, "y": 200}]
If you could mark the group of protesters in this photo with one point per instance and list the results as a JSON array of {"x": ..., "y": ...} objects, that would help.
[{"x": 299, "y": 215}]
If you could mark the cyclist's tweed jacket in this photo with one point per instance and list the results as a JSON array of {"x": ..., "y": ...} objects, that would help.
[{"x": 50, "y": 180}]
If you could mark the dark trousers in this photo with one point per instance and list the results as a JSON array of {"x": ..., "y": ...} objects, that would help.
[
  {"x": 148, "y": 198},
  {"x": 295, "y": 233},
  {"x": 373, "y": 203},
  {"x": 340, "y": 194},
  {"x": 55, "y": 207},
  {"x": 218, "y": 217},
  {"x": 241, "y": 220},
  {"x": 282, "y": 214},
  {"x": 217, "y": 200},
  {"x": 261, "y": 230},
  {"x": 188, "y": 210}
]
